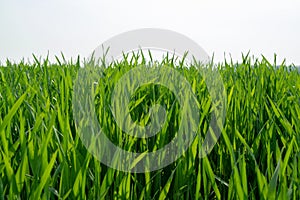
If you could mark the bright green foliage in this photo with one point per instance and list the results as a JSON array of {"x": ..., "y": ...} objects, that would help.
[{"x": 256, "y": 157}]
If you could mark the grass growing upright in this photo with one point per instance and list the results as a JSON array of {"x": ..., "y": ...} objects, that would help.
[{"x": 257, "y": 155}]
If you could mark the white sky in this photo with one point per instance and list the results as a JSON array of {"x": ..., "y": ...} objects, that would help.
[{"x": 219, "y": 26}]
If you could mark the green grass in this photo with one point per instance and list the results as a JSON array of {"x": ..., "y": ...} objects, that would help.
[{"x": 257, "y": 155}]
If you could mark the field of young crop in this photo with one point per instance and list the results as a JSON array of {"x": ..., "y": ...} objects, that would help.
[{"x": 256, "y": 157}]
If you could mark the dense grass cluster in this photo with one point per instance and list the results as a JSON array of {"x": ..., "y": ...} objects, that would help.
[{"x": 257, "y": 155}]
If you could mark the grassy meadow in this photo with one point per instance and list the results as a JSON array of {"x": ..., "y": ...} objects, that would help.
[{"x": 256, "y": 157}]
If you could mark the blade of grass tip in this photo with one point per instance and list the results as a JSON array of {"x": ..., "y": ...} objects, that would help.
[
  {"x": 36, "y": 60},
  {"x": 63, "y": 57},
  {"x": 57, "y": 59},
  {"x": 150, "y": 55}
]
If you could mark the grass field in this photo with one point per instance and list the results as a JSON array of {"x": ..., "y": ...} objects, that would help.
[{"x": 256, "y": 157}]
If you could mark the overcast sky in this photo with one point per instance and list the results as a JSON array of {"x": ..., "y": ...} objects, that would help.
[{"x": 77, "y": 27}]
